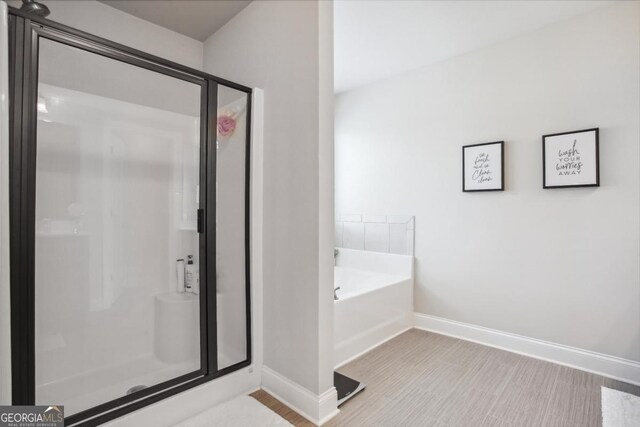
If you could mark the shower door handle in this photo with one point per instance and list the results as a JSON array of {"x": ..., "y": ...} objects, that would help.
[{"x": 200, "y": 220}]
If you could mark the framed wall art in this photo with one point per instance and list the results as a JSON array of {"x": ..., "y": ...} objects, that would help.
[
  {"x": 483, "y": 167},
  {"x": 571, "y": 159}
]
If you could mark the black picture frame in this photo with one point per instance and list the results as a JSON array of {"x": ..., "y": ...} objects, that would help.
[
  {"x": 595, "y": 165},
  {"x": 501, "y": 168}
]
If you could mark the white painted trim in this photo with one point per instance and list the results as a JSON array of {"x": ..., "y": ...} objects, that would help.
[
  {"x": 327, "y": 406},
  {"x": 326, "y": 199},
  {"x": 316, "y": 408},
  {"x": 377, "y": 344},
  {"x": 585, "y": 360}
]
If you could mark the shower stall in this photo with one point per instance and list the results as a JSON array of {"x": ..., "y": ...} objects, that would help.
[{"x": 129, "y": 220}]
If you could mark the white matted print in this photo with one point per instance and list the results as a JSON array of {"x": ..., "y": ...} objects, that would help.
[
  {"x": 483, "y": 167},
  {"x": 571, "y": 159}
]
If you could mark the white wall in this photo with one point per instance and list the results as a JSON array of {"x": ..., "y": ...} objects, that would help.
[
  {"x": 283, "y": 47},
  {"x": 557, "y": 265}
]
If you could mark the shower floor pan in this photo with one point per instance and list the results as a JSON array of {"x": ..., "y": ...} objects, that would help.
[{"x": 88, "y": 389}]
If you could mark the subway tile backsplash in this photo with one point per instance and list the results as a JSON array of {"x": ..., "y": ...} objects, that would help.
[
  {"x": 350, "y": 218},
  {"x": 353, "y": 235},
  {"x": 376, "y": 236},
  {"x": 377, "y": 233},
  {"x": 398, "y": 238},
  {"x": 339, "y": 233},
  {"x": 374, "y": 218}
]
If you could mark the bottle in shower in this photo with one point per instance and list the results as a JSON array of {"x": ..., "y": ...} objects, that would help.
[{"x": 190, "y": 275}]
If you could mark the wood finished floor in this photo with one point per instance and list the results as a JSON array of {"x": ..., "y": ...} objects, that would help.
[{"x": 424, "y": 379}]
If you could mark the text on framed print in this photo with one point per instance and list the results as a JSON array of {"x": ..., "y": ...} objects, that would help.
[
  {"x": 571, "y": 159},
  {"x": 483, "y": 167}
]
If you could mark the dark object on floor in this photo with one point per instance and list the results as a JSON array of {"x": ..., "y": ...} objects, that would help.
[{"x": 346, "y": 387}]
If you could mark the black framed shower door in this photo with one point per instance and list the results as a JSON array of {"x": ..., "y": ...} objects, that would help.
[{"x": 26, "y": 36}]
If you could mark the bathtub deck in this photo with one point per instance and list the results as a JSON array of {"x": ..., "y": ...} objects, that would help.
[{"x": 425, "y": 379}]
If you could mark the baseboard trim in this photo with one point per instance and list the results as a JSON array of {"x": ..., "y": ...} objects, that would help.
[
  {"x": 328, "y": 405},
  {"x": 316, "y": 408},
  {"x": 585, "y": 360}
]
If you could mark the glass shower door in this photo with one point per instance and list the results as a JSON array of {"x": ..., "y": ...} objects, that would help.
[
  {"x": 117, "y": 193},
  {"x": 129, "y": 200},
  {"x": 231, "y": 231}
]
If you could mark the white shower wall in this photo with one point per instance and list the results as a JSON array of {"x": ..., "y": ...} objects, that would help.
[
  {"x": 117, "y": 174},
  {"x": 116, "y": 187}
]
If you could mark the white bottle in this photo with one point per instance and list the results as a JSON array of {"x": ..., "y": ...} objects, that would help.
[
  {"x": 180, "y": 275},
  {"x": 190, "y": 275}
]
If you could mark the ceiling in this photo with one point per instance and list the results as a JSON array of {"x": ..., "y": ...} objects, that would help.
[
  {"x": 197, "y": 19},
  {"x": 374, "y": 40}
]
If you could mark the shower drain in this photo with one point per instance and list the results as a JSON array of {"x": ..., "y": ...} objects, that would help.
[{"x": 136, "y": 388}]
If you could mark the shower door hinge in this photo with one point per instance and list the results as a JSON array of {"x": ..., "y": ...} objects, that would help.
[{"x": 200, "y": 220}]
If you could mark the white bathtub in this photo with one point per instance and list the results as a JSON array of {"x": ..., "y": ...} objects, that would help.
[{"x": 375, "y": 300}]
